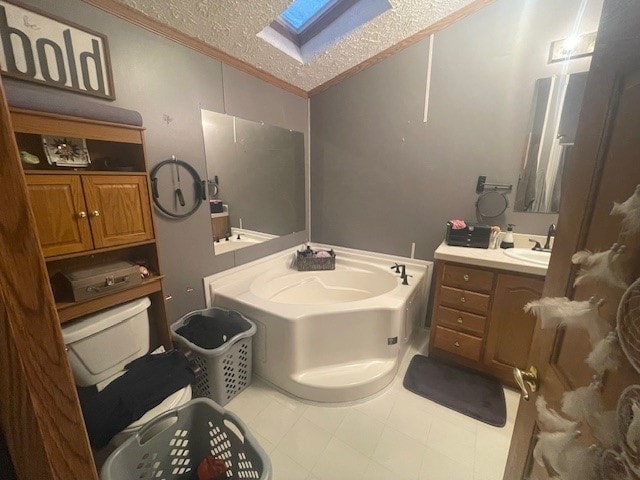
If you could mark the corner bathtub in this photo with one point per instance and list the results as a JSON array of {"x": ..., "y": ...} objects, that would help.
[{"x": 327, "y": 336}]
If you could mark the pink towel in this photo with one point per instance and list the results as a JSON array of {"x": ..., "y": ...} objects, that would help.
[{"x": 458, "y": 224}]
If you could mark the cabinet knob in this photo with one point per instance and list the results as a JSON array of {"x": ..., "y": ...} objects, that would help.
[
  {"x": 459, "y": 320},
  {"x": 466, "y": 278},
  {"x": 457, "y": 344},
  {"x": 82, "y": 214},
  {"x": 95, "y": 213},
  {"x": 463, "y": 300}
]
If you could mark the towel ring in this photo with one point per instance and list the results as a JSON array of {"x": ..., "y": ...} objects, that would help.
[
  {"x": 491, "y": 204},
  {"x": 198, "y": 186}
]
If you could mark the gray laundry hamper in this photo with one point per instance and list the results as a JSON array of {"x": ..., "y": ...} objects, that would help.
[
  {"x": 172, "y": 445},
  {"x": 226, "y": 369}
]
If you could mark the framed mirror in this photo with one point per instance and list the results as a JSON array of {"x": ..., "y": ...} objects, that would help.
[
  {"x": 256, "y": 176},
  {"x": 552, "y": 128}
]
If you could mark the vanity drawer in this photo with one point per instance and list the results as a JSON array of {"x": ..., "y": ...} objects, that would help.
[
  {"x": 468, "y": 278},
  {"x": 458, "y": 343},
  {"x": 459, "y": 320},
  {"x": 465, "y": 300}
]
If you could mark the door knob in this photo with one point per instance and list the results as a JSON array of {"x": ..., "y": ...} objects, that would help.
[
  {"x": 95, "y": 213},
  {"x": 82, "y": 214},
  {"x": 527, "y": 378}
]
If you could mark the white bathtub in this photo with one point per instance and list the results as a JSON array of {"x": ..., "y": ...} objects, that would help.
[
  {"x": 247, "y": 239},
  {"x": 327, "y": 336}
]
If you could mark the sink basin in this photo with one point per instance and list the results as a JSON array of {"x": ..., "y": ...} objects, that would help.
[{"x": 530, "y": 256}]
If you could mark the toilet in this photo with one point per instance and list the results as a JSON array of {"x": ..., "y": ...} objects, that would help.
[{"x": 99, "y": 346}]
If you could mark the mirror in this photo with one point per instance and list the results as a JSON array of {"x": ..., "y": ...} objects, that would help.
[
  {"x": 256, "y": 175},
  {"x": 552, "y": 127}
]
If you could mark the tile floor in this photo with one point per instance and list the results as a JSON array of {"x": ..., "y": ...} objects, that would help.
[{"x": 396, "y": 434}]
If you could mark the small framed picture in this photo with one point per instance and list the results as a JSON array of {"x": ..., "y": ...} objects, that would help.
[{"x": 66, "y": 151}]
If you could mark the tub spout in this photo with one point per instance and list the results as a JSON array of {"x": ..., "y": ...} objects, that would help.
[{"x": 404, "y": 275}]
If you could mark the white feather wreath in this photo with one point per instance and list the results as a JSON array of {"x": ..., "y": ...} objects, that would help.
[
  {"x": 553, "y": 312},
  {"x": 551, "y": 446},
  {"x": 605, "y": 355},
  {"x": 582, "y": 403},
  {"x": 551, "y": 420},
  {"x": 604, "y": 426},
  {"x": 633, "y": 432},
  {"x": 630, "y": 210},
  {"x": 579, "y": 462},
  {"x": 602, "y": 266}
]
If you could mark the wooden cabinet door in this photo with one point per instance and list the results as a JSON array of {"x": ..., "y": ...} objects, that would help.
[
  {"x": 118, "y": 208},
  {"x": 60, "y": 212},
  {"x": 511, "y": 329}
]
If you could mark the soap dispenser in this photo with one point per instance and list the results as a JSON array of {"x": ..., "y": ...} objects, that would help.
[{"x": 507, "y": 240}]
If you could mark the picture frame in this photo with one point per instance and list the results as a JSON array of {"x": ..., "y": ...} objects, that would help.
[
  {"x": 38, "y": 47},
  {"x": 66, "y": 151}
]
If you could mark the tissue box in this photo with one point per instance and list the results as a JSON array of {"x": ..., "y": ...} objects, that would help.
[
  {"x": 474, "y": 235},
  {"x": 216, "y": 206}
]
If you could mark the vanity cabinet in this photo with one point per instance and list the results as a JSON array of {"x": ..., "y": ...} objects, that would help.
[
  {"x": 478, "y": 319},
  {"x": 94, "y": 214}
]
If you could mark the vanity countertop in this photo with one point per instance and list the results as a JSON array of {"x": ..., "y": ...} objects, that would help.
[{"x": 491, "y": 258}]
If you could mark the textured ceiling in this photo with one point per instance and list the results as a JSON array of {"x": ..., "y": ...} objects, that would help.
[{"x": 232, "y": 26}]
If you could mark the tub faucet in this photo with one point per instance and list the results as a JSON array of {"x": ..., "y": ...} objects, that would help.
[
  {"x": 404, "y": 275},
  {"x": 397, "y": 267},
  {"x": 550, "y": 233}
]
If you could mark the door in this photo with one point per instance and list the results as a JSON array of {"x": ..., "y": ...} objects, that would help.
[
  {"x": 60, "y": 213},
  {"x": 604, "y": 168},
  {"x": 118, "y": 208},
  {"x": 40, "y": 414}
]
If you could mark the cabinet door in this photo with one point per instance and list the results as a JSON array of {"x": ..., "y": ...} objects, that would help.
[
  {"x": 60, "y": 212},
  {"x": 118, "y": 207},
  {"x": 511, "y": 329}
]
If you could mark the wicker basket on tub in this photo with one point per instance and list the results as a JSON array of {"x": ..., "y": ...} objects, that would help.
[{"x": 306, "y": 263}]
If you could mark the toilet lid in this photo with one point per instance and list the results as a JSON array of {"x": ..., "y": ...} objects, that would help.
[{"x": 174, "y": 400}]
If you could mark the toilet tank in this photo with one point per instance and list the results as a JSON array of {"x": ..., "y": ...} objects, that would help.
[{"x": 100, "y": 345}]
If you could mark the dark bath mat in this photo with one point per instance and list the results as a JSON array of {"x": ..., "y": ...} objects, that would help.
[{"x": 457, "y": 388}]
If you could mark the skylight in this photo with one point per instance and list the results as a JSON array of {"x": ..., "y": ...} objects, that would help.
[
  {"x": 307, "y": 28},
  {"x": 302, "y": 12}
]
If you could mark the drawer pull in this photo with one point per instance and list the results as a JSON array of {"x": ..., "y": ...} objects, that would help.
[
  {"x": 466, "y": 278},
  {"x": 463, "y": 300},
  {"x": 459, "y": 320},
  {"x": 457, "y": 344}
]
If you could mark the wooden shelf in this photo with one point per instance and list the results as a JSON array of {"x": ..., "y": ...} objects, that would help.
[
  {"x": 40, "y": 123},
  {"x": 68, "y": 311},
  {"x": 98, "y": 250},
  {"x": 75, "y": 171}
]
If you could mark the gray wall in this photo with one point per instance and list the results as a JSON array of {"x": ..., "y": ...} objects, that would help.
[
  {"x": 156, "y": 77},
  {"x": 381, "y": 178}
]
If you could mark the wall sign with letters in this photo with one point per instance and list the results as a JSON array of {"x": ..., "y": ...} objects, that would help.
[{"x": 38, "y": 47}]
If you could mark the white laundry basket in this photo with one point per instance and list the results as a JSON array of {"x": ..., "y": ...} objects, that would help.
[{"x": 171, "y": 446}]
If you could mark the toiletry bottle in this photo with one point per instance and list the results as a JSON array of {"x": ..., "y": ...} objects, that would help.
[{"x": 507, "y": 240}]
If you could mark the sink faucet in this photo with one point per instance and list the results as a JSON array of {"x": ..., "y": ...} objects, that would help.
[
  {"x": 550, "y": 233},
  {"x": 537, "y": 246}
]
